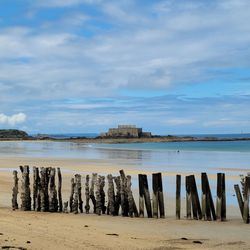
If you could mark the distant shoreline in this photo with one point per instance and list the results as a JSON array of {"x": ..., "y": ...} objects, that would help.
[{"x": 128, "y": 140}]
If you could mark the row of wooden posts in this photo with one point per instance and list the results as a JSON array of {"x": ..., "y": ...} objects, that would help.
[{"x": 48, "y": 198}]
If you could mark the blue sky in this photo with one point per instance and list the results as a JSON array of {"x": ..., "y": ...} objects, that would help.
[{"x": 172, "y": 67}]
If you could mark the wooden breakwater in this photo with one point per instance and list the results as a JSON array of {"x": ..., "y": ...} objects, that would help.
[{"x": 46, "y": 195}]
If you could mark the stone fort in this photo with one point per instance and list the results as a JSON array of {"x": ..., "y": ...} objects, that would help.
[{"x": 126, "y": 131}]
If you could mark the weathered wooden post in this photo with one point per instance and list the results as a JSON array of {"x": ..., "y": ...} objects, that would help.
[
  {"x": 92, "y": 190},
  {"x": 87, "y": 206},
  {"x": 141, "y": 196},
  {"x": 155, "y": 202},
  {"x": 77, "y": 202},
  {"x": 207, "y": 199},
  {"x": 78, "y": 180},
  {"x": 161, "y": 196},
  {"x": 43, "y": 195},
  {"x": 25, "y": 189},
  {"x": 206, "y": 213},
  {"x": 188, "y": 197},
  {"x": 197, "y": 214},
  {"x": 15, "y": 191},
  {"x": 111, "y": 195},
  {"x": 239, "y": 198},
  {"x": 131, "y": 202},
  {"x": 35, "y": 187},
  {"x": 178, "y": 196},
  {"x": 59, "y": 175},
  {"x": 71, "y": 198},
  {"x": 102, "y": 193},
  {"x": 144, "y": 193},
  {"x": 124, "y": 195},
  {"x": 246, "y": 199},
  {"x": 210, "y": 199},
  {"x": 117, "y": 180},
  {"x": 36, "y": 190},
  {"x": 221, "y": 197},
  {"x": 44, "y": 181},
  {"x": 204, "y": 197},
  {"x": 147, "y": 196},
  {"x": 98, "y": 195},
  {"x": 158, "y": 199},
  {"x": 53, "y": 202}
]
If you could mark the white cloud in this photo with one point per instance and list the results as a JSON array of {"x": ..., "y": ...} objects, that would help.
[
  {"x": 13, "y": 119},
  {"x": 120, "y": 47},
  {"x": 137, "y": 52}
]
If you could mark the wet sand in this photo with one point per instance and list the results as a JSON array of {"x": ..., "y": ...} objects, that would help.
[{"x": 68, "y": 231}]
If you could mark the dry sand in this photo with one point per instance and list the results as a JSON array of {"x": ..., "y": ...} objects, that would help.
[{"x": 36, "y": 230}]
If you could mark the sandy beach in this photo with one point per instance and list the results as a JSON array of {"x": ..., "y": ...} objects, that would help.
[{"x": 36, "y": 230}]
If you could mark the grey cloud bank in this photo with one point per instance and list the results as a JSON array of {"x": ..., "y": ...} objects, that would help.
[{"x": 126, "y": 46}]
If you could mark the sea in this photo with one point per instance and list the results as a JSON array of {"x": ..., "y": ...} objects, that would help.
[{"x": 229, "y": 157}]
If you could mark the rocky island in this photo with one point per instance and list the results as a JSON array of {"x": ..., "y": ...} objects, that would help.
[
  {"x": 13, "y": 134},
  {"x": 121, "y": 134}
]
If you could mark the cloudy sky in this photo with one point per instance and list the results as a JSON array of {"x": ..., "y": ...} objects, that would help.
[{"x": 172, "y": 67}]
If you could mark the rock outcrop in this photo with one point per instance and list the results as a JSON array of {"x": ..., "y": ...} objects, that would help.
[{"x": 13, "y": 134}]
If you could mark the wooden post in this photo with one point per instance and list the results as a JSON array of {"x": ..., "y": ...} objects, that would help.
[
  {"x": 47, "y": 176},
  {"x": 207, "y": 199},
  {"x": 118, "y": 195},
  {"x": 197, "y": 214},
  {"x": 111, "y": 195},
  {"x": 78, "y": 181},
  {"x": 246, "y": 199},
  {"x": 35, "y": 187},
  {"x": 77, "y": 196},
  {"x": 25, "y": 189},
  {"x": 155, "y": 198},
  {"x": 223, "y": 212},
  {"x": 124, "y": 195},
  {"x": 210, "y": 199},
  {"x": 161, "y": 197},
  {"x": 98, "y": 196},
  {"x": 206, "y": 206},
  {"x": 221, "y": 197},
  {"x": 178, "y": 196},
  {"x": 80, "y": 193},
  {"x": 132, "y": 206},
  {"x": 15, "y": 191},
  {"x": 87, "y": 206},
  {"x": 239, "y": 198},
  {"x": 53, "y": 202},
  {"x": 188, "y": 197},
  {"x": 102, "y": 193},
  {"x": 72, "y": 190},
  {"x": 59, "y": 175},
  {"x": 38, "y": 196},
  {"x": 42, "y": 182},
  {"x": 141, "y": 196},
  {"x": 147, "y": 196},
  {"x": 92, "y": 190},
  {"x": 204, "y": 196}
]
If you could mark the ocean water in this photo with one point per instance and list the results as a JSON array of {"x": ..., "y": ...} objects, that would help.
[{"x": 230, "y": 157}]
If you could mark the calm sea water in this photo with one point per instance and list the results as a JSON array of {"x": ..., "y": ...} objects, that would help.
[{"x": 230, "y": 157}]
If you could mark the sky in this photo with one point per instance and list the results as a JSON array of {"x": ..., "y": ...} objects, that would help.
[{"x": 171, "y": 67}]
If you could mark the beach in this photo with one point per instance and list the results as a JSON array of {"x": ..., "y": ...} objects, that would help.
[{"x": 83, "y": 231}]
